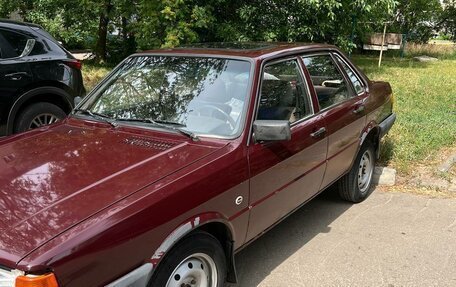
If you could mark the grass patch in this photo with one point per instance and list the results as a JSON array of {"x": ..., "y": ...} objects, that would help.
[
  {"x": 425, "y": 105},
  {"x": 93, "y": 74},
  {"x": 438, "y": 50}
]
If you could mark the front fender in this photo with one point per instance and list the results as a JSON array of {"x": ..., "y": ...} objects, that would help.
[{"x": 184, "y": 229}]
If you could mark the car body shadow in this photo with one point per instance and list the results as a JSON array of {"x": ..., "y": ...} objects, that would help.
[{"x": 256, "y": 261}]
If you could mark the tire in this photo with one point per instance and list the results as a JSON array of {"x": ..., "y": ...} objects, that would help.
[
  {"x": 37, "y": 115},
  {"x": 356, "y": 185},
  {"x": 190, "y": 260}
]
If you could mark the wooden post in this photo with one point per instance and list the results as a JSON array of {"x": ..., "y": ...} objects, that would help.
[{"x": 383, "y": 44}]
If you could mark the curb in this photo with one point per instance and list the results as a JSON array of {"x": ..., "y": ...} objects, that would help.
[
  {"x": 384, "y": 176},
  {"x": 445, "y": 167}
]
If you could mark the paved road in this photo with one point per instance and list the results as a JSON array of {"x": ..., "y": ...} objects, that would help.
[{"x": 391, "y": 239}]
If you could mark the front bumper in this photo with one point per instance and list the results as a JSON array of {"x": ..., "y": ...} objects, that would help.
[{"x": 386, "y": 125}]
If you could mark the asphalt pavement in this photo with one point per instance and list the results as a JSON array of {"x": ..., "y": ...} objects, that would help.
[{"x": 391, "y": 239}]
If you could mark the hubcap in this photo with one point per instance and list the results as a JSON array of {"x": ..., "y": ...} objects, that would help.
[
  {"x": 197, "y": 270},
  {"x": 365, "y": 171},
  {"x": 43, "y": 120}
]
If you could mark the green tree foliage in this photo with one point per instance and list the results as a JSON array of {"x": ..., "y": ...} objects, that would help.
[
  {"x": 418, "y": 19},
  {"x": 169, "y": 23},
  {"x": 115, "y": 28},
  {"x": 330, "y": 21},
  {"x": 448, "y": 18},
  {"x": 71, "y": 22}
]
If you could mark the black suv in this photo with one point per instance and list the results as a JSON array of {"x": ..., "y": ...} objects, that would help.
[{"x": 39, "y": 79}]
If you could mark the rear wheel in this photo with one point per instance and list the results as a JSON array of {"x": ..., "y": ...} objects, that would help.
[
  {"x": 356, "y": 185},
  {"x": 38, "y": 115},
  {"x": 197, "y": 261}
]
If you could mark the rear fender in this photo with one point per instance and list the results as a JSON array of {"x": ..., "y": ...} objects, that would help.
[
  {"x": 372, "y": 127},
  {"x": 24, "y": 98}
]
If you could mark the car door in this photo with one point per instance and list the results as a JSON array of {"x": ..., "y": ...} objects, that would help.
[
  {"x": 342, "y": 109},
  {"x": 285, "y": 174},
  {"x": 14, "y": 70}
]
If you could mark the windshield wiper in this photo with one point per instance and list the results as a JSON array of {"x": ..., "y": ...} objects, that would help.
[
  {"x": 168, "y": 125},
  {"x": 97, "y": 116}
]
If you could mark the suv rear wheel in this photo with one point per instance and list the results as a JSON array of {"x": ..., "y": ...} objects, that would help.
[{"x": 38, "y": 115}]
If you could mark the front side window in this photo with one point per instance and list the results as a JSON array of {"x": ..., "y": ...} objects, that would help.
[
  {"x": 283, "y": 93},
  {"x": 357, "y": 84},
  {"x": 328, "y": 81},
  {"x": 203, "y": 95}
]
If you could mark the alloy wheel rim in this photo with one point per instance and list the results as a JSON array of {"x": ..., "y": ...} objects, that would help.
[
  {"x": 197, "y": 270},
  {"x": 43, "y": 120},
  {"x": 365, "y": 171}
]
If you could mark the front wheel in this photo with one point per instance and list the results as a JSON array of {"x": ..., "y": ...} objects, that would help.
[
  {"x": 356, "y": 185},
  {"x": 197, "y": 261}
]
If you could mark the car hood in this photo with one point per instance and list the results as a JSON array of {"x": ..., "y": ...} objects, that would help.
[{"x": 52, "y": 179}]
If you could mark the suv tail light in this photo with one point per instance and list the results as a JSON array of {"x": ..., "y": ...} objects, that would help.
[{"x": 76, "y": 64}]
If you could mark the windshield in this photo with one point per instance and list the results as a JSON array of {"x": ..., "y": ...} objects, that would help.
[{"x": 201, "y": 95}]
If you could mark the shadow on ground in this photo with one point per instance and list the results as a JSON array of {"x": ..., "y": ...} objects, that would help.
[{"x": 286, "y": 238}]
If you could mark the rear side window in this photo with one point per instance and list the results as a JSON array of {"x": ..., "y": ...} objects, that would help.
[
  {"x": 38, "y": 49},
  {"x": 11, "y": 44},
  {"x": 329, "y": 83},
  {"x": 283, "y": 93},
  {"x": 357, "y": 84}
]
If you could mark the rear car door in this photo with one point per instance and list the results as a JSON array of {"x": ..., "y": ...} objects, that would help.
[
  {"x": 343, "y": 110},
  {"x": 285, "y": 174},
  {"x": 15, "y": 71}
]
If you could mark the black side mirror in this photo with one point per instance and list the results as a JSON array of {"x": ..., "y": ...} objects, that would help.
[{"x": 268, "y": 130}]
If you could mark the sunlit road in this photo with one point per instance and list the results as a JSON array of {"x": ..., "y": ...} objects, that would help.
[{"x": 392, "y": 239}]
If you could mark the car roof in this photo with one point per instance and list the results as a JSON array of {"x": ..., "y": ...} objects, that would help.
[
  {"x": 18, "y": 23},
  {"x": 242, "y": 49}
]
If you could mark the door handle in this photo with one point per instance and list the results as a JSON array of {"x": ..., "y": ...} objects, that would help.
[
  {"x": 317, "y": 134},
  {"x": 15, "y": 76},
  {"x": 359, "y": 109}
]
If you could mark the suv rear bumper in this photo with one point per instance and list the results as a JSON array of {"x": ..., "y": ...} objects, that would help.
[{"x": 386, "y": 125}]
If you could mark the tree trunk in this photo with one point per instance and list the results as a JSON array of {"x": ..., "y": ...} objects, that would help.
[
  {"x": 100, "y": 49},
  {"x": 124, "y": 29}
]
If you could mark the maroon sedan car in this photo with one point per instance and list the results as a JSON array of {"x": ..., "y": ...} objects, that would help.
[{"x": 182, "y": 157}]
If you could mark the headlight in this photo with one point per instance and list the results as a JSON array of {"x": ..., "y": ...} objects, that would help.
[
  {"x": 8, "y": 277},
  {"x": 16, "y": 278}
]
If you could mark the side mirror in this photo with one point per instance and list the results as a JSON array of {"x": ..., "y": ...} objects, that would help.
[
  {"x": 77, "y": 100},
  {"x": 268, "y": 130}
]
